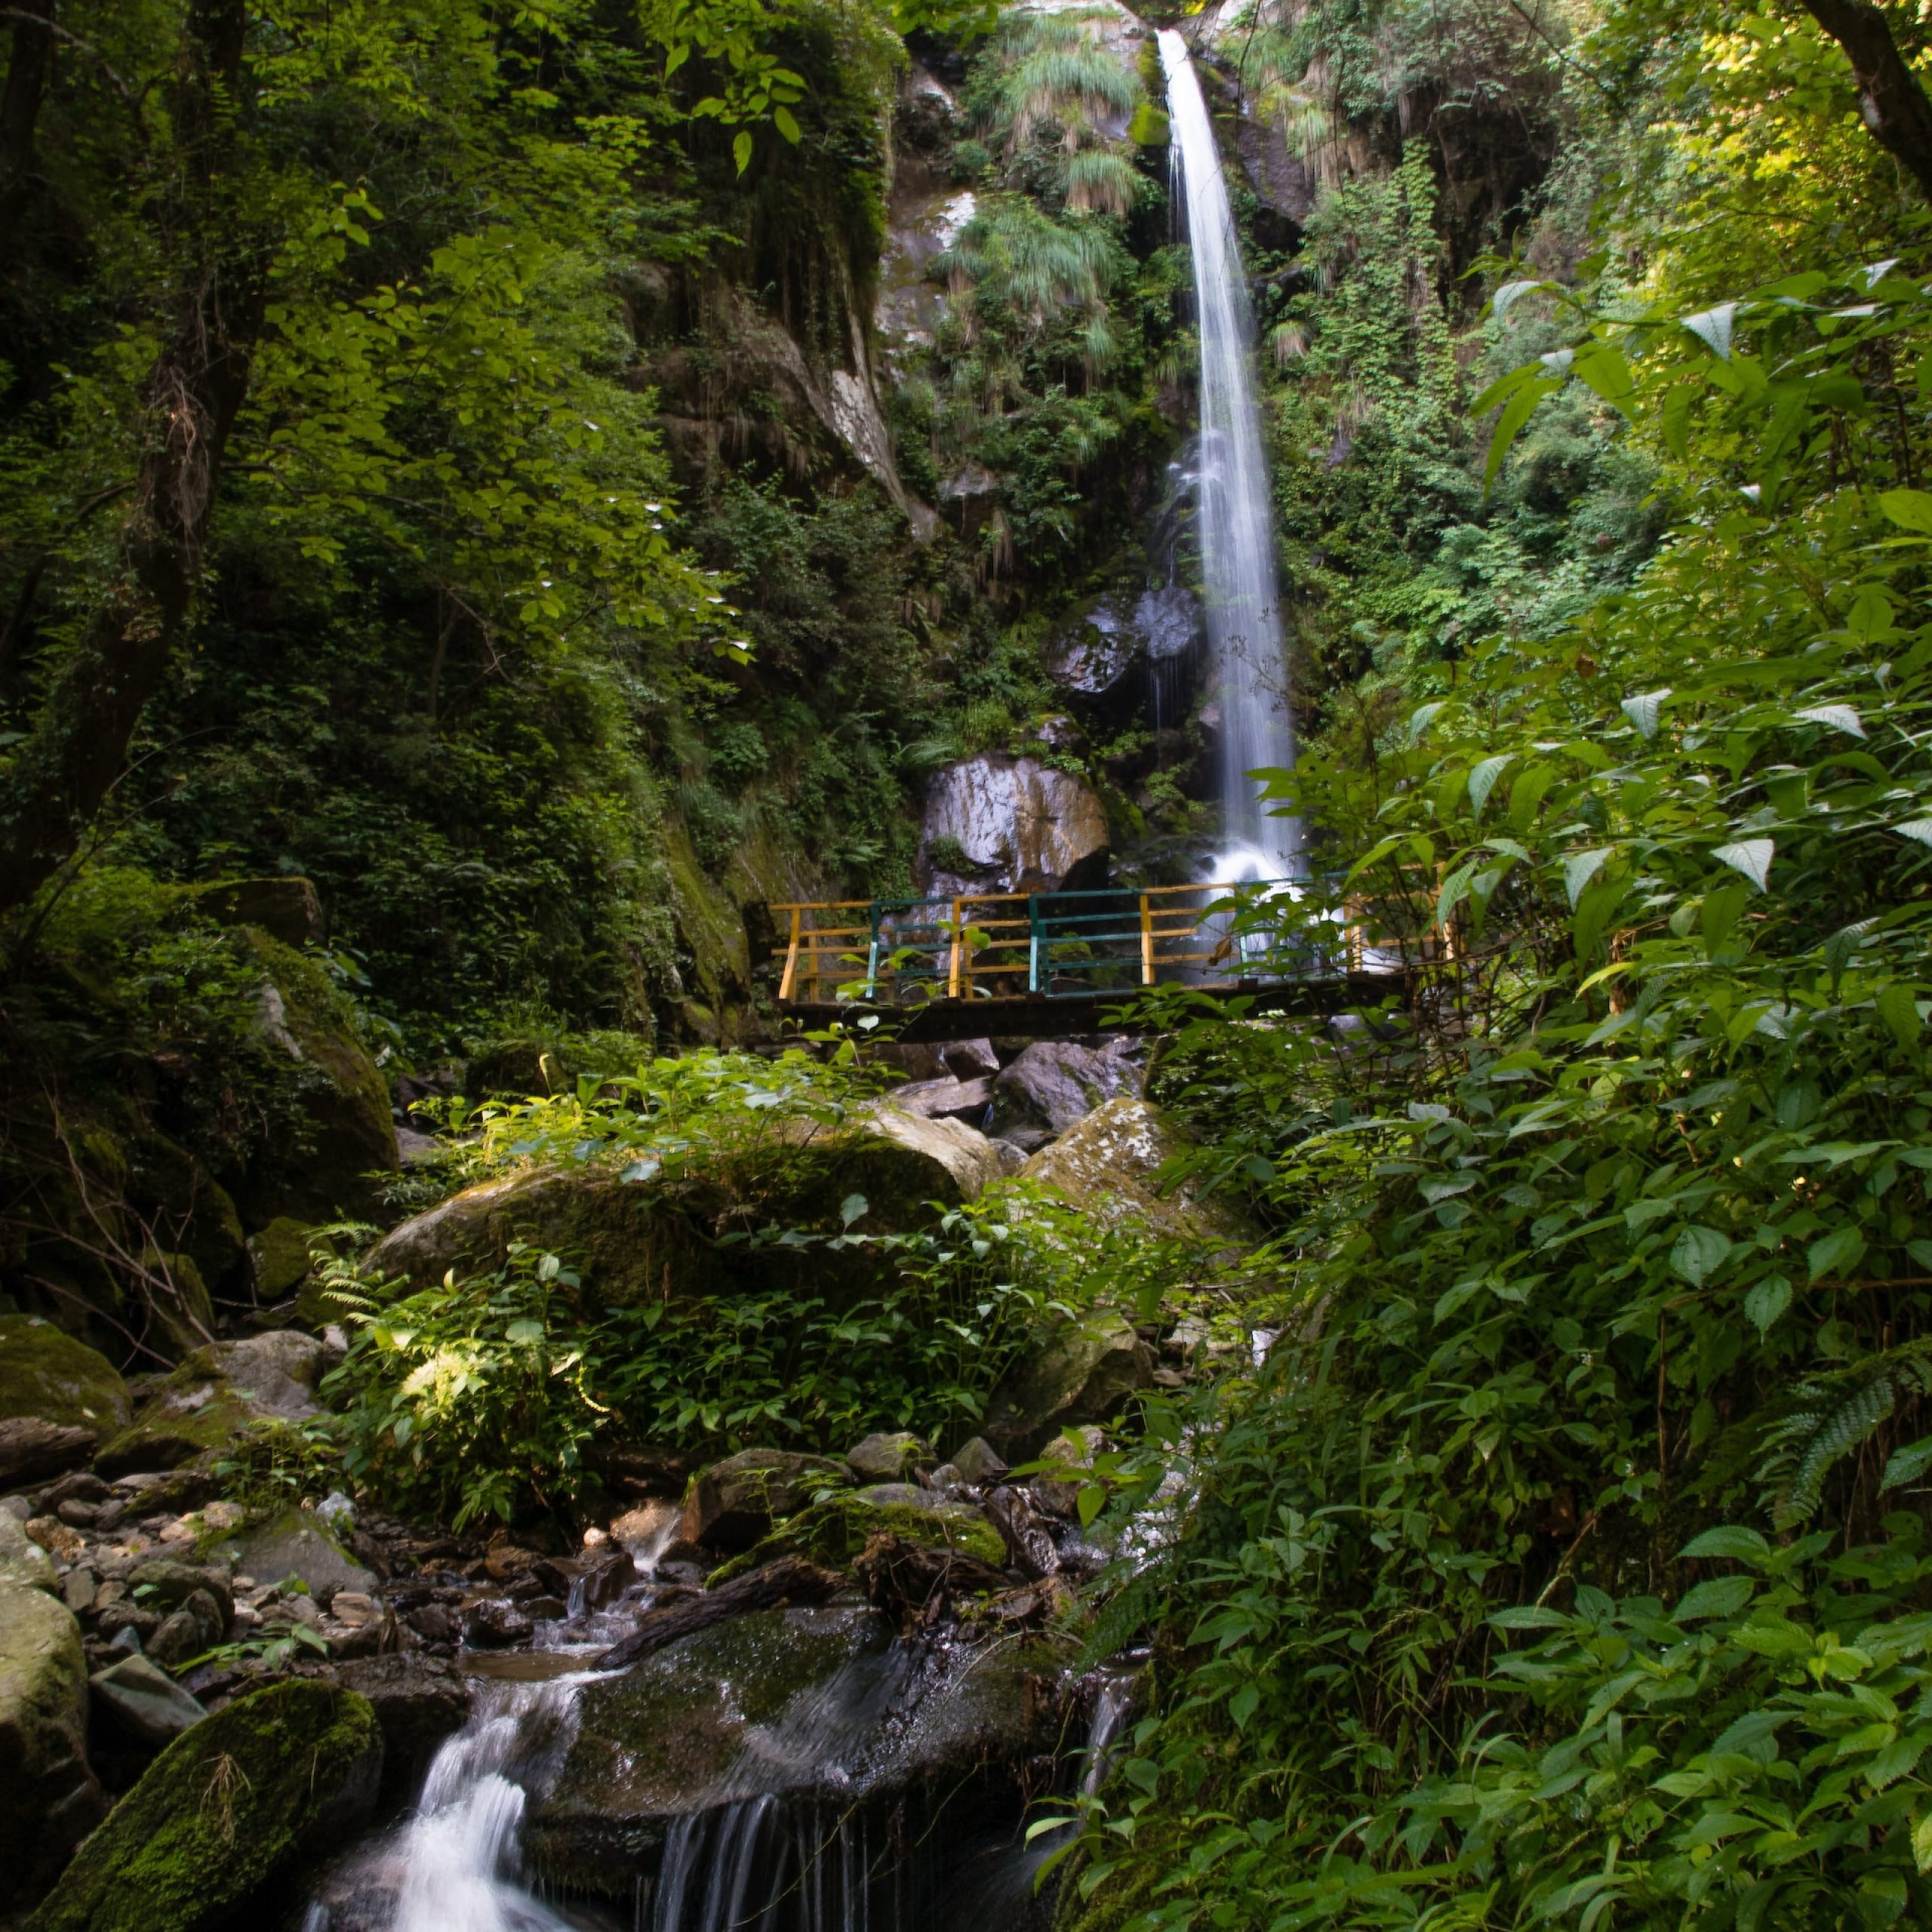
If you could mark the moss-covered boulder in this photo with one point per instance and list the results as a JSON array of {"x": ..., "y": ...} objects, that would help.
[
  {"x": 801, "y": 1701},
  {"x": 221, "y": 1820},
  {"x": 281, "y": 1255},
  {"x": 330, "y": 1165},
  {"x": 832, "y": 1533},
  {"x": 22, "y": 1562},
  {"x": 632, "y": 1240},
  {"x": 1085, "y": 1371},
  {"x": 294, "y": 1542},
  {"x": 1107, "y": 1164},
  {"x": 45, "y": 1372},
  {"x": 49, "y": 1798},
  {"x": 732, "y": 1504},
  {"x": 215, "y": 1395}
]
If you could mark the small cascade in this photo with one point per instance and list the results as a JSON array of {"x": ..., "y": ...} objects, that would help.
[
  {"x": 1248, "y": 659},
  {"x": 456, "y": 1864},
  {"x": 1111, "y": 1703}
]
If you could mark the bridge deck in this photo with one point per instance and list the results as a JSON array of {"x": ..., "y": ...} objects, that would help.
[{"x": 1021, "y": 963}]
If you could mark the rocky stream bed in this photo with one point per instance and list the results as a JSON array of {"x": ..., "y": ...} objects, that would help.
[{"x": 779, "y": 1689}]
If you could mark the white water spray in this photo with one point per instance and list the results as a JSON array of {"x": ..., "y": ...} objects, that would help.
[{"x": 1244, "y": 635}]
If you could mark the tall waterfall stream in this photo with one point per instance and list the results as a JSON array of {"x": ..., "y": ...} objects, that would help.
[{"x": 1246, "y": 651}]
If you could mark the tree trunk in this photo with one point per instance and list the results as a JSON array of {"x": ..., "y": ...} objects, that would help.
[
  {"x": 1889, "y": 97},
  {"x": 19, "y": 110},
  {"x": 78, "y": 744}
]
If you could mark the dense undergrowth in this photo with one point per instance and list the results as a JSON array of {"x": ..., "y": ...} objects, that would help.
[{"x": 1566, "y": 1564}]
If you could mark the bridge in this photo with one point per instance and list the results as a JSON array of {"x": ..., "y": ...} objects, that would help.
[{"x": 1039, "y": 964}]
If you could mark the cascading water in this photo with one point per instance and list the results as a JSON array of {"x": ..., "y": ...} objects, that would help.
[{"x": 1247, "y": 657}]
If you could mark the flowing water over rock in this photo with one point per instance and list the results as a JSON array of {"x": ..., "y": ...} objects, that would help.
[
  {"x": 800, "y": 1770},
  {"x": 1248, "y": 658}
]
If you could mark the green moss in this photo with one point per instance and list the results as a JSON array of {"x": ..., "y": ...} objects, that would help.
[
  {"x": 834, "y": 1531},
  {"x": 45, "y": 1372},
  {"x": 231, "y": 1806},
  {"x": 281, "y": 1256}
]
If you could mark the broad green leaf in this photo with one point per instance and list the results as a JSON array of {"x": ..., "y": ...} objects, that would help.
[
  {"x": 1521, "y": 407},
  {"x": 524, "y": 1333},
  {"x": 854, "y": 1208},
  {"x": 1766, "y": 1301},
  {"x": 1698, "y": 1254},
  {"x": 741, "y": 151},
  {"x": 1909, "y": 1464},
  {"x": 1840, "y": 717},
  {"x": 1580, "y": 868},
  {"x": 1751, "y": 857},
  {"x": 1713, "y": 327},
  {"x": 782, "y": 119},
  {"x": 1897, "y": 1006},
  {"x": 1716, "y": 1596},
  {"x": 1642, "y": 710},
  {"x": 1483, "y": 777},
  {"x": 1910, "y": 509},
  {"x": 1740, "y": 1545},
  {"x": 1836, "y": 1252}
]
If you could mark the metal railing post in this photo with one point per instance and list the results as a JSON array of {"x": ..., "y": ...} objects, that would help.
[
  {"x": 1146, "y": 941},
  {"x": 958, "y": 940}
]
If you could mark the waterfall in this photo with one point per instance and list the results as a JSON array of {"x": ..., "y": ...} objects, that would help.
[
  {"x": 456, "y": 1864},
  {"x": 1248, "y": 658}
]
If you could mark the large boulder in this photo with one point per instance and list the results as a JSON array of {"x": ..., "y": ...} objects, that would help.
[
  {"x": 45, "y": 1373},
  {"x": 215, "y": 1395},
  {"x": 631, "y": 1239},
  {"x": 31, "y": 1451},
  {"x": 1107, "y": 1165},
  {"x": 49, "y": 1798},
  {"x": 733, "y": 1503},
  {"x": 296, "y": 1543},
  {"x": 1053, "y": 1085},
  {"x": 1085, "y": 1371},
  {"x": 996, "y": 824},
  {"x": 144, "y": 1702},
  {"x": 820, "y": 1702},
  {"x": 1123, "y": 649},
  {"x": 224, "y": 1816},
  {"x": 333, "y": 1164}
]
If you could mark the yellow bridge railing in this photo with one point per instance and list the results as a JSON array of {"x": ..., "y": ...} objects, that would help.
[{"x": 1016, "y": 946}]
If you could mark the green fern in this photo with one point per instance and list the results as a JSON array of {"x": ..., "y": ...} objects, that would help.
[{"x": 1840, "y": 1414}]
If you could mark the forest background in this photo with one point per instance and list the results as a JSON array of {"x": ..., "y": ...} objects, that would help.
[{"x": 413, "y": 485}]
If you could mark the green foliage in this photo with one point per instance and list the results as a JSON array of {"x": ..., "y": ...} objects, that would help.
[
  {"x": 1614, "y": 1234},
  {"x": 484, "y": 1395}
]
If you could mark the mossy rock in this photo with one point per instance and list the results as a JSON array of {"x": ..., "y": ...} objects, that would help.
[
  {"x": 1085, "y": 1371},
  {"x": 49, "y": 1800},
  {"x": 632, "y": 1241},
  {"x": 45, "y": 1372},
  {"x": 836, "y": 1531},
  {"x": 225, "y": 1816},
  {"x": 282, "y": 1256},
  {"x": 779, "y": 1701},
  {"x": 331, "y": 1166},
  {"x": 214, "y": 1397},
  {"x": 1107, "y": 1166}
]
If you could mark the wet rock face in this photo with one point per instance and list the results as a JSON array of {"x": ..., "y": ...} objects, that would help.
[
  {"x": 995, "y": 824},
  {"x": 777, "y": 1703},
  {"x": 1121, "y": 652}
]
